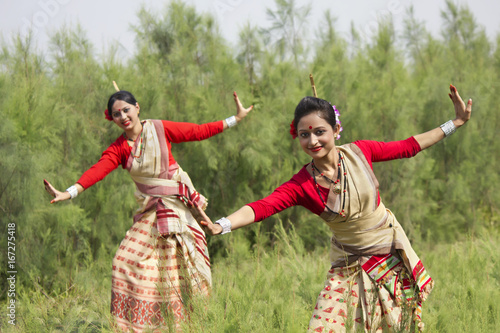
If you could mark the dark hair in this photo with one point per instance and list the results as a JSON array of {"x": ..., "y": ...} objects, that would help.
[
  {"x": 121, "y": 95},
  {"x": 308, "y": 105}
]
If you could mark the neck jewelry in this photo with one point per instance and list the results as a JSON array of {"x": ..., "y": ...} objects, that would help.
[
  {"x": 141, "y": 144},
  {"x": 337, "y": 188}
]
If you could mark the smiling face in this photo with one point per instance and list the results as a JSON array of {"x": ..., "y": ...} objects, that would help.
[
  {"x": 316, "y": 136},
  {"x": 125, "y": 115}
]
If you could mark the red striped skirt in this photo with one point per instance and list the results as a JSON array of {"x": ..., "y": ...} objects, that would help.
[{"x": 154, "y": 278}]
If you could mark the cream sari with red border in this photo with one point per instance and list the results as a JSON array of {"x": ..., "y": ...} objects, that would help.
[
  {"x": 163, "y": 261},
  {"x": 376, "y": 280}
]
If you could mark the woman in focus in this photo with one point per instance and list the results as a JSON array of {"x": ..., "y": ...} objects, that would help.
[{"x": 376, "y": 280}]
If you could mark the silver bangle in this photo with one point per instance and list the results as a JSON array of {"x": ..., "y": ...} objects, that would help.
[
  {"x": 448, "y": 128},
  {"x": 73, "y": 191},
  {"x": 225, "y": 224},
  {"x": 231, "y": 121}
]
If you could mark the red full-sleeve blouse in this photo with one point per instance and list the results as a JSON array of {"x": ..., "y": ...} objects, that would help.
[
  {"x": 119, "y": 151},
  {"x": 300, "y": 189}
]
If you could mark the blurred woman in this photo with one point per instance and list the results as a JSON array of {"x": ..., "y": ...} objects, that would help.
[
  {"x": 163, "y": 261},
  {"x": 376, "y": 280}
]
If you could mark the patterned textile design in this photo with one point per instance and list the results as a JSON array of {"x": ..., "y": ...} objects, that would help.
[
  {"x": 351, "y": 301},
  {"x": 381, "y": 269},
  {"x": 370, "y": 241},
  {"x": 156, "y": 180},
  {"x": 156, "y": 274},
  {"x": 159, "y": 188},
  {"x": 154, "y": 279}
]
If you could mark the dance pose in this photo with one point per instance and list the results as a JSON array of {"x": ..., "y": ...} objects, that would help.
[
  {"x": 163, "y": 260},
  {"x": 375, "y": 275}
]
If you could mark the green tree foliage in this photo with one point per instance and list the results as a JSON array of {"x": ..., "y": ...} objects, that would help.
[
  {"x": 289, "y": 23},
  {"x": 388, "y": 88}
]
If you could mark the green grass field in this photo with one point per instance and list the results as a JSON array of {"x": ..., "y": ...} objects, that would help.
[
  {"x": 388, "y": 86},
  {"x": 275, "y": 291}
]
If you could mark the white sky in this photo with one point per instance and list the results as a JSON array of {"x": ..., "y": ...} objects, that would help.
[{"x": 109, "y": 21}]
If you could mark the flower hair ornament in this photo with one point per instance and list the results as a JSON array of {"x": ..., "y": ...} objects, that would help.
[
  {"x": 337, "y": 120},
  {"x": 107, "y": 113},
  {"x": 293, "y": 130}
]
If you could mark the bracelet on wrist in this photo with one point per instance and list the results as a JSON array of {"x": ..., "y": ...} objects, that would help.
[
  {"x": 448, "y": 128},
  {"x": 231, "y": 121},
  {"x": 73, "y": 191},
  {"x": 225, "y": 224}
]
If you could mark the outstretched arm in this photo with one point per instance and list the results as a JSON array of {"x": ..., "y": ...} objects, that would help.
[
  {"x": 111, "y": 158},
  {"x": 288, "y": 194},
  {"x": 178, "y": 132},
  {"x": 462, "y": 115},
  {"x": 58, "y": 195},
  {"x": 242, "y": 217}
]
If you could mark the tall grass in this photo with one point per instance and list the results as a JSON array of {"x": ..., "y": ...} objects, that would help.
[
  {"x": 467, "y": 274},
  {"x": 275, "y": 291}
]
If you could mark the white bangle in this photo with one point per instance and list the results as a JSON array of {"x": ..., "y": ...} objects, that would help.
[
  {"x": 73, "y": 191},
  {"x": 231, "y": 121},
  {"x": 225, "y": 224},
  {"x": 448, "y": 128}
]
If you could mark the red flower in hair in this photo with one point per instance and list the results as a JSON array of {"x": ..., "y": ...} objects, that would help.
[
  {"x": 293, "y": 130},
  {"x": 108, "y": 116}
]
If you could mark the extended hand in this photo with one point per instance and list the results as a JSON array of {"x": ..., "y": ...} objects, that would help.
[
  {"x": 58, "y": 195},
  {"x": 205, "y": 222},
  {"x": 241, "y": 112},
  {"x": 462, "y": 111}
]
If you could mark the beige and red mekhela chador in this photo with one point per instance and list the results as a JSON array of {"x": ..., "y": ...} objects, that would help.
[
  {"x": 376, "y": 280},
  {"x": 163, "y": 261}
]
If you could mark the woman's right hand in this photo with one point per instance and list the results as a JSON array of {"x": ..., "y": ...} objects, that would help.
[
  {"x": 58, "y": 195},
  {"x": 205, "y": 222},
  {"x": 462, "y": 110},
  {"x": 241, "y": 111}
]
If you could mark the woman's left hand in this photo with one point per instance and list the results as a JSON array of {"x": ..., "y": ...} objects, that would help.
[
  {"x": 205, "y": 222},
  {"x": 241, "y": 112},
  {"x": 462, "y": 111},
  {"x": 58, "y": 195}
]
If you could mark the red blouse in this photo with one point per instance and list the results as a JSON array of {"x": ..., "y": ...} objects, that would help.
[
  {"x": 300, "y": 189},
  {"x": 119, "y": 151}
]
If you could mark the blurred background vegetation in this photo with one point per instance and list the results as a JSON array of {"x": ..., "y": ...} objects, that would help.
[{"x": 388, "y": 88}]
